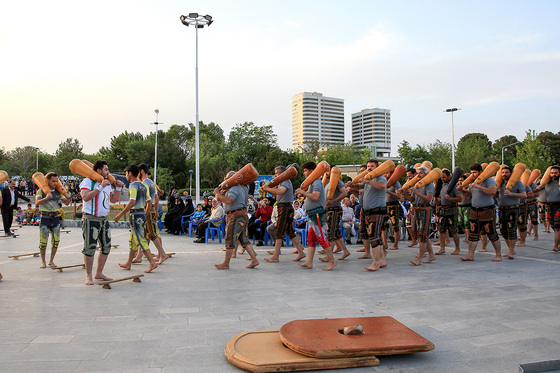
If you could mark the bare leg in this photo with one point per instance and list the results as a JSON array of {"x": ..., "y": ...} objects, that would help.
[
  {"x": 153, "y": 264},
  {"x": 442, "y": 241},
  {"x": 253, "y": 255},
  {"x": 470, "y": 254},
  {"x": 431, "y": 256},
  {"x": 484, "y": 244},
  {"x": 378, "y": 259},
  {"x": 522, "y": 236},
  {"x": 456, "y": 241},
  {"x": 498, "y": 248},
  {"x": 556, "y": 241},
  {"x": 275, "y": 258},
  {"x": 128, "y": 263},
  {"x": 396, "y": 244},
  {"x": 310, "y": 254},
  {"x": 511, "y": 246},
  {"x": 225, "y": 264},
  {"x": 367, "y": 250},
  {"x": 330, "y": 256},
  {"x": 535, "y": 231},
  {"x": 299, "y": 249},
  {"x": 420, "y": 255},
  {"x": 138, "y": 257},
  {"x": 53, "y": 253},
  {"x": 413, "y": 236},
  {"x": 1, "y": 277},
  {"x": 101, "y": 260},
  {"x": 162, "y": 255},
  {"x": 43, "y": 259},
  {"x": 340, "y": 243},
  {"x": 88, "y": 261}
]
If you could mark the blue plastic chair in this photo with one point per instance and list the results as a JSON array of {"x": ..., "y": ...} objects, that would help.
[
  {"x": 184, "y": 222},
  {"x": 191, "y": 225},
  {"x": 301, "y": 231},
  {"x": 211, "y": 230}
]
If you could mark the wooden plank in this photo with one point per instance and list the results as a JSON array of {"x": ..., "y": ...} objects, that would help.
[
  {"x": 113, "y": 246},
  {"x": 263, "y": 351},
  {"x": 16, "y": 257},
  {"x": 59, "y": 269},
  {"x": 106, "y": 284},
  {"x": 324, "y": 338}
]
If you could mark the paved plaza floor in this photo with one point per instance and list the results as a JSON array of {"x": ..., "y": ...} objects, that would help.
[{"x": 482, "y": 316}]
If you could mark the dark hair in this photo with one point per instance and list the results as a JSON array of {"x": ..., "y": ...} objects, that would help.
[
  {"x": 50, "y": 175},
  {"x": 363, "y": 165},
  {"x": 59, "y": 204},
  {"x": 476, "y": 167},
  {"x": 412, "y": 171},
  {"x": 373, "y": 161},
  {"x": 98, "y": 165},
  {"x": 507, "y": 168},
  {"x": 309, "y": 165},
  {"x": 133, "y": 169},
  {"x": 446, "y": 172},
  {"x": 555, "y": 167},
  {"x": 144, "y": 167}
]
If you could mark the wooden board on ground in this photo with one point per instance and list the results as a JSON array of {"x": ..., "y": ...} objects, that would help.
[
  {"x": 106, "y": 284},
  {"x": 323, "y": 338},
  {"x": 113, "y": 246},
  {"x": 263, "y": 351},
  {"x": 59, "y": 269},
  {"x": 64, "y": 231},
  {"x": 168, "y": 254},
  {"x": 10, "y": 236},
  {"x": 16, "y": 257}
]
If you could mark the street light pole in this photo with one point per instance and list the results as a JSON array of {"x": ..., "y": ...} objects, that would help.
[
  {"x": 190, "y": 182},
  {"x": 37, "y": 163},
  {"x": 155, "y": 157},
  {"x": 197, "y": 21},
  {"x": 452, "y": 110},
  {"x": 503, "y": 147}
]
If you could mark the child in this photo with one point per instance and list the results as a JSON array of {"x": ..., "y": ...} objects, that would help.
[
  {"x": 61, "y": 215},
  {"x": 36, "y": 216},
  {"x": 20, "y": 215},
  {"x": 28, "y": 214},
  {"x": 199, "y": 214}
]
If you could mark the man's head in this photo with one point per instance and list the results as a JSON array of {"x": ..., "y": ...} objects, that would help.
[
  {"x": 101, "y": 168},
  {"x": 352, "y": 198},
  {"x": 421, "y": 171},
  {"x": 555, "y": 172},
  {"x": 229, "y": 174},
  {"x": 144, "y": 170},
  {"x": 52, "y": 180},
  {"x": 308, "y": 167},
  {"x": 214, "y": 202},
  {"x": 132, "y": 172},
  {"x": 506, "y": 173},
  {"x": 278, "y": 170},
  {"x": 445, "y": 176},
  {"x": 346, "y": 201},
  {"x": 372, "y": 164},
  {"x": 410, "y": 173},
  {"x": 11, "y": 184},
  {"x": 363, "y": 167},
  {"x": 476, "y": 169}
]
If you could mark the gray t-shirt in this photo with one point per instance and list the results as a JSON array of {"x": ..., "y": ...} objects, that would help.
[
  {"x": 240, "y": 193},
  {"x": 393, "y": 188},
  {"x": 552, "y": 192},
  {"x": 529, "y": 188},
  {"x": 481, "y": 199},
  {"x": 374, "y": 197},
  {"x": 316, "y": 186},
  {"x": 510, "y": 200},
  {"x": 339, "y": 185},
  {"x": 452, "y": 193},
  {"x": 542, "y": 196},
  {"x": 425, "y": 190},
  {"x": 288, "y": 196}
]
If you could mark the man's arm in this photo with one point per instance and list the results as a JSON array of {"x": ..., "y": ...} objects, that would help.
[
  {"x": 88, "y": 195},
  {"x": 279, "y": 190},
  {"x": 340, "y": 197},
  {"x": 487, "y": 190},
  {"x": 222, "y": 197},
  {"x": 126, "y": 209}
]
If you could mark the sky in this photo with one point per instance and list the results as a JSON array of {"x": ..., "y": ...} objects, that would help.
[{"x": 92, "y": 70}]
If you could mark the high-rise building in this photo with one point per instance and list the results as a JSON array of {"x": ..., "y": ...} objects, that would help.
[
  {"x": 371, "y": 129},
  {"x": 316, "y": 117}
]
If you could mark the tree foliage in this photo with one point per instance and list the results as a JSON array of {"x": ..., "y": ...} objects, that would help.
[
  {"x": 532, "y": 153},
  {"x": 551, "y": 141},
  {"x": 67, "y": 150},
  {"x": 473, "y": 149}
]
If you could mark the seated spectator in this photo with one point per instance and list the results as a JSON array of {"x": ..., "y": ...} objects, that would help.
[
  {"x": 198, "y": 214},
  {"x": 20, "y": 215},
  {"x": 217, "y": 213},
  {"x": 28, "y": 214},
  {"x": 299, "y": 214},
  {"x": 262, "y": 214}
]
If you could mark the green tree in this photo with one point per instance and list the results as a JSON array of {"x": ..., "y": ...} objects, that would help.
[
  {"x": 440, "y": 154},
  {"x": 117, "y": 156},
  {"x": 410, "y": 156},
  {"x": 67, "y": 150},
  {"x": 472, "y": 150},
  {"x": 245, "y": 141},
  {"x": 532, "y": 153},
  {"x": 509, "y": 153},
  {"x": 345, "y": 153},
  {"x": 22, "y": 161},
  {"x": 551, "y": 141}
]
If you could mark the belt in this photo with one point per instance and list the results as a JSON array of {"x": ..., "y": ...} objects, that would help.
[
  {"x": 376, "y": 210},
  {"x": 509, "y": 207},
  {"x": 232, "y": 211},
  {"x": 422, "y": 205},
  {"x": 136, "y": 210},
  {"x": 532, "y": 202},
  {"x": 449, "y": 206},
  {"x": 482, "y": 208},
  {"x": 44, "y": 213},
  {"x": 555, "y": 204},
  {"x": 284, "y": 204},
  {"x": 393, "y": 203}
]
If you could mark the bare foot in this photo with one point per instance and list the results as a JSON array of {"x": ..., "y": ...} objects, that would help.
[
  {"x": 321, "y": 251},
  {"x": 521, "y": 244},
  {"x": 372, "y": 268},
  {"x": 271, "y": 252},
  {"x": 103, "y": 277},
  {"x": 324, "y": 259},
  {"x": 272, "y": 259},
  {"x": 430, "y": 259},
  {"x": 125, "y": 266},
  {"x": 536, "y": 238},
  {"x": 306, "y": 265},
  {"x": 52, "y": 265},
  {"x": 253, "y": 264},
  {"x": 467, "y": 259},
  {"x": 221, "y": 266},
  {"x": 298, "y": 258},
  {"x": 412, "y": 244},
  {"x": 555, "y": 249},
  {"x": 456, "y": 252},
  {"x": 151, "y": 268},
  {"x": 136, "y": 261},
  {"x": 393, "y": 248},
  {"x": 163, "y": 259},
  {"x": 362, "y": 250},
  {"x": 416, "y": 262},
  {"x": 437, "y": 244},
  {"x": 294, "y": 252},
  {"x": 337, "y": 250},
  {"x": 440, "y": 252},
  {"x": 43, "y": 265},
  {"x": 482, "y": 250},
  {"x": 365, "y": 256},
  {"x": 344, "y": 255},
  {"x": 497, "y": 259},
  {"x": 89, "y": 281},
  {"x": 329, "y": 266}
]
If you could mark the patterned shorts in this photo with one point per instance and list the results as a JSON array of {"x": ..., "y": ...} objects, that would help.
[
  {"x": 393, "y": 213},
  {"x": 137, "y": 238},
  {"x": 49, "y": 225},
  {"x": 236, "y": 229},
  {"x": 285, "y": 222},
  {"x": 509, "y": 216},
  {"x": 334, "y": 216},
  {"x": 422, "y": 219},
  {"x": 151, "y": 231},
  {"x": 447, "y": 219},
  {"x": 483, "y": 222},
  {"x": 372, "y": 225},
  {"x": 96, "y": 229}
]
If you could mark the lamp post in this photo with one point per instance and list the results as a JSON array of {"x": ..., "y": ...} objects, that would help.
[
  {"x": 155, "y": 157},
  {"x": 197, "y": 21},
  {"x": 37, "y": 162},
  {"x": 190, "y": 182},
  {"x": 503, "y": 147},
  {"x": 452, "y": 110}
]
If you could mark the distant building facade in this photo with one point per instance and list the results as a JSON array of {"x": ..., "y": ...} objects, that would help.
[
  {"x": 317, "y": 118},
  {"x": 371, "y": 129}
]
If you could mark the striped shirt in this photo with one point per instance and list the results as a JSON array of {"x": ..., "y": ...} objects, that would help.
[{"x": 98, "y": 205}]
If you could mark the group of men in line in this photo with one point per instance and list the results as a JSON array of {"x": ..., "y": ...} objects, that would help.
[
  {"x": 380, "y": 207},
  {"x": 96, "y": 200}
]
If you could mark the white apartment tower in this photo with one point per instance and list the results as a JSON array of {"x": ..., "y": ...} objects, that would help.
[
  {"x": 316, "y": 117},
  {"x": 371, "y": 129}
]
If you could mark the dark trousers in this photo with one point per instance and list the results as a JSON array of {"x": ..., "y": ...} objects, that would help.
[
  {"x": 253, "y": 230},
  {"x": 201, "y": 229},
  {"x": 7, "y": 219}
]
